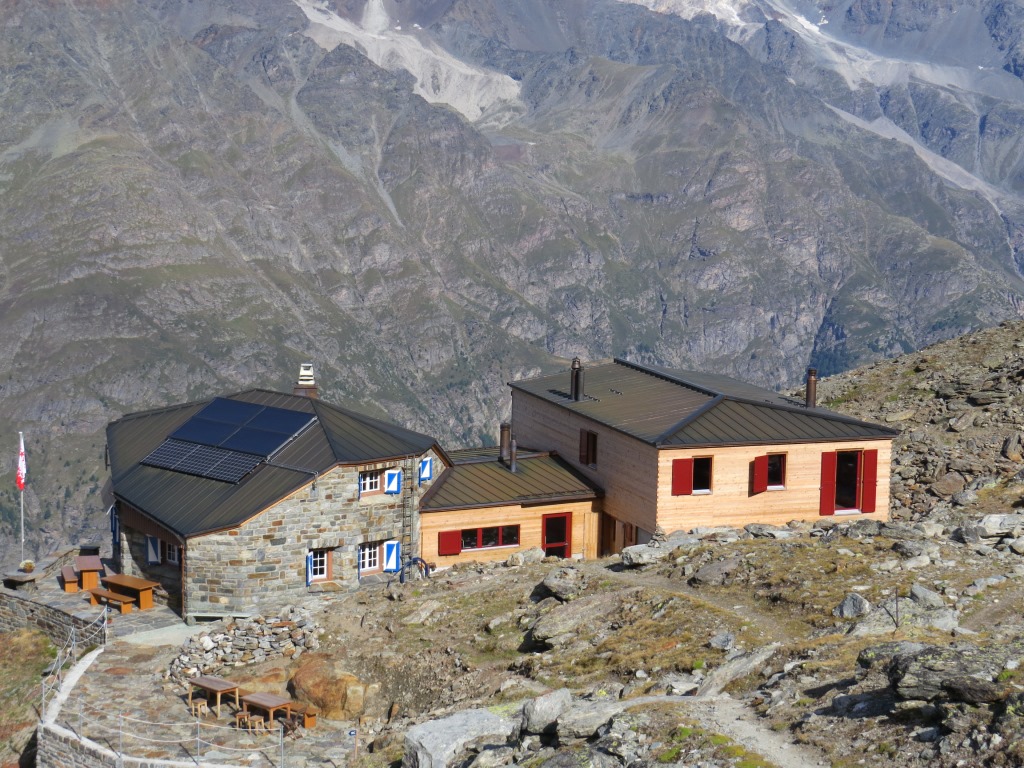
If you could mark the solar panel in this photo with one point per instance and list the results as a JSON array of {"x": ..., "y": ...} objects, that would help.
[
  {"x": 240, "y": 426},
  {"x": 206, "y": 461}
]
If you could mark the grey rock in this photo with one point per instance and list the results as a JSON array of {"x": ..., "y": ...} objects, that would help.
[
  {"x": 883, "y": 653},
  {"x": 642, "y": 554},
  {"x": 948, "y": 484},
  {"x": 492, "y": 757},
  {"x": 716, "y": 573},
  {"x": 997, "y": 526},
  {"x": 899, "y": 531},
  {"x": 584, "y": 719},
  {"x": 741, "y": 666},
  {"x": 422, "y": 612},
  {"x": 909, "y": 548},
  {"x": 903, "y": 612},
  {"x": 436, "y": 743},
  {"x": 965, "y": 498},
  {"x": 1013, "y": 447},
  {"x": 852, "y": 606},
  {"x": 920, "y": 675},
  {"x": 925, "y": 597},
  {"x": 540, "y": 714},
  {"x": 560, "y": 625},
  {"x": 723, "y": 641},
  {"x": 565, "y": 583}
]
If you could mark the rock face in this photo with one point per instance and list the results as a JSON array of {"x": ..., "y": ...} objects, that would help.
[
  {"x": 558, "y": 626},
  {"x": 540, "y": 714},
  {"x": 436, "y": 743},
  {"x": 347, "y": 216},
  {"x": 326, "y": 683}
]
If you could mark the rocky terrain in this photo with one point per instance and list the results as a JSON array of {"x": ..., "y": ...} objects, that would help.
[{"x": 428, "y": 199}]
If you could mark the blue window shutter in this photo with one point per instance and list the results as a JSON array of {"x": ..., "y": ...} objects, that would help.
[
  {"x": 113, "y": 522},
  {"x": 309, "y": 568},
  {"x": 152, "y": 550},
  {"x": 392, "y": 556},
  {"x": 426, "y": 470},
  {"x": 393, "y": 481}
]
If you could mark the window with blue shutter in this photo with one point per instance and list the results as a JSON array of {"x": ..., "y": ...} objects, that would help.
[
  {"x": 309, "y": 568},
  {"x": 392, "y": 556},
  {"x": 393, "y": 481},
  {"x": 426, "y": 470},
  {"x": 152, "y": 550}
]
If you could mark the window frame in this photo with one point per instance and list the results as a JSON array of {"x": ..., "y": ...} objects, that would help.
[
  {"x": 173, "y": 555},
  {"x": 698, "y": 491},
  {"x": 781, "y": 457},
  {"x": 370, "y": 482},
  {"x": 588, "y": 447},
  {"x": 323, "y": 554},
  {"x": 369, "y": 551},
  {"x": 446, "y": 539}
]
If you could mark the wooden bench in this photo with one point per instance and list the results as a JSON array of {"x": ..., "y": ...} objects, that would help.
[
  {"x": 123, "y": 602},
  {"x": 70, "y": 578},
  {"x": 304, "y": 715}
]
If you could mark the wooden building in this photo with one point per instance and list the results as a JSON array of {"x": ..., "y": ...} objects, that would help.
[
  {"x": 264, "y": 496},
  {"x": 487, "y": 506},
  {"x": 680, "y": 450}
]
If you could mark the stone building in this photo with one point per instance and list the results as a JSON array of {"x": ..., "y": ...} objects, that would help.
[{"x": 263, "y": 497}]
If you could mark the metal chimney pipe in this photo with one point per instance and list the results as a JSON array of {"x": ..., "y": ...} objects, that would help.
[
  {"x": 576, "y": 379},
  {"x": 512, "y": 456},
  {"x": 811, "y": 393},
  {"x": 504, "y": 447}
]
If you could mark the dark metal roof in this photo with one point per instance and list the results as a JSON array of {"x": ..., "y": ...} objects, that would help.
[
  {"x": 190, "y": 505},
  {"x": 484, "y": 482},
  {"x": 667, "y": 408}
]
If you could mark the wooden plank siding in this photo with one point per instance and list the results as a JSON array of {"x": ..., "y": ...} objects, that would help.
[
  {"x": 626, "y": 468},
  {"x": 731, "y": 503},
  {"x": 584, "y": 529}
]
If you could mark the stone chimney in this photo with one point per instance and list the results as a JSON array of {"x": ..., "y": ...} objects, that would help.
[
  {"x": 811, "y": 392},
  {"x": 306, "y": 385},
  {"x": 576, "y": 380}
]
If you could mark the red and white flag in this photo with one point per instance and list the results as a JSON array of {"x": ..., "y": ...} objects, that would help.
[{"x": 22, "y": 467}]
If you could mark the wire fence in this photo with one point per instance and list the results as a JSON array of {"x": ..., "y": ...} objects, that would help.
[
  {"x": 79, "y": 639},
  {"x": 192, "y": 739}
]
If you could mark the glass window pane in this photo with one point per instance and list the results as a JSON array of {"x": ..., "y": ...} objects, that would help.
[
  {"x": 776, "y": 469},
  {"x": 469, "y": 538},
  {"x": 702, "y": 474},
  {"x": 510, "y": 535},
  {"x": 490, "y": 537}
]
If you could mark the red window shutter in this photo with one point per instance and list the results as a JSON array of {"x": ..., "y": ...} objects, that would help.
[
  {"x": 828, "y": 483},
  {"x": 449, "y": 543},
  {"x": 682, "y": 477},
  {"x": 869, "y": 480},
  {"x": 760, "y": 474}
]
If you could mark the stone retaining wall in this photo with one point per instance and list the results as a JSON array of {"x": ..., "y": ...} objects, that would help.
[{"x": 18, "y": 612}]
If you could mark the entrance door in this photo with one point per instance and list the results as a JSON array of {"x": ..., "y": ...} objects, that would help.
[
  {"x": 847, "y": 479},
  {"x": 557, "y": 533}
]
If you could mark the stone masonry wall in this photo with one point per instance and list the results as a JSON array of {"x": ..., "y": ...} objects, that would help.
[
  {"x": 17, "y": 612},
  {"x": 262, "y": 563}
]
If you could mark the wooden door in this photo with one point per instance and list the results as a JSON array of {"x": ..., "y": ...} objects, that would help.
[{"x": 557, "y": 535}]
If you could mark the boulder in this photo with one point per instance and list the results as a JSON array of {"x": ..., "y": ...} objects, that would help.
[
  {"x": 565, "y": 583},
  {"x": 422, "y": 612},
  {"x": 527, "y": 556},
  {"x": 920, "y": 675},
  {"x": 948, "y": 484},
  {"x": 852, "y": 606},
  {"x": 883, "y": 653},
  {"x": 641, "y": 554},
  {"x": 584, "y": 719},
  {"x": 541, "y": 714},
  {"x": 734, "y": 669},
  {"x": 716, "y": 573},
  {"x": 997, "y": 526},
  {"x": 925, "y": 597},
  {"x": 903, "y": 612},
  {"x": 437, "y": 743},
  {"x": 326, "y": 683},
  {"x": 561, "y": 624}
]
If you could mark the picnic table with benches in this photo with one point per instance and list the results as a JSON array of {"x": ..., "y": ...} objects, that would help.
[
  {"x": 89, "y": 566},
  {"x": 123, "y": 602},
  {"x": 140, "y": 589},
  {"x": 215, "y": 685}
]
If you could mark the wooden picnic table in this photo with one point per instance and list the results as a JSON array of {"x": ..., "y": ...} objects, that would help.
[
  {"x": 89, "y": 566},
  {"x": 141, "y": 588},
  {"x": 215, "y": 685},
  {"x": 270, "y": 702}
]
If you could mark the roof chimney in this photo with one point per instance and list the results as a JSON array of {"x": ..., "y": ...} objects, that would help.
[
  {"x": 811, "y": 393},
  {"x": 576, "y": 379},
  {"x": 504, "y": 446},
  {"x": 512, "y": 456},
  {"x": 306, "y": 385}
]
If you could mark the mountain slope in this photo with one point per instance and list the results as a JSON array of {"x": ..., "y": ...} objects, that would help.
[{"x": 195, "y": 197}]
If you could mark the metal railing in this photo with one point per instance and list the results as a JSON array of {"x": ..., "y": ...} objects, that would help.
[{"x": 79, "y": 638}]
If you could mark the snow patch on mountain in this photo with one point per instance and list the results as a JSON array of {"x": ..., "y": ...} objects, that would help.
[{"x": 440, "y": 77}]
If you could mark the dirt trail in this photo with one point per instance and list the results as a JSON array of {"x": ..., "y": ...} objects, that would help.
[{"x": 729, "y": 717}]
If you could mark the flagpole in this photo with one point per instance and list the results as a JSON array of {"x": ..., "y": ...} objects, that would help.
[{"x": 20, "y": 480}]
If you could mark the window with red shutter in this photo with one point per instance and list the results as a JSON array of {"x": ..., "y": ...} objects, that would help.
[
  {"x": 869, "y": 481},
  {"x": 682, "y": 477},
  {"x": 828, "y": 484},
  {"x": 449, "y": 543},
  {"x": 760, "y": 482}
]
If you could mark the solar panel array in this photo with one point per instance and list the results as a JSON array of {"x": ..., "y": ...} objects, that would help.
[
  {"x": 228, "y": 439},
  {"x": 203, "y": 460}
]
